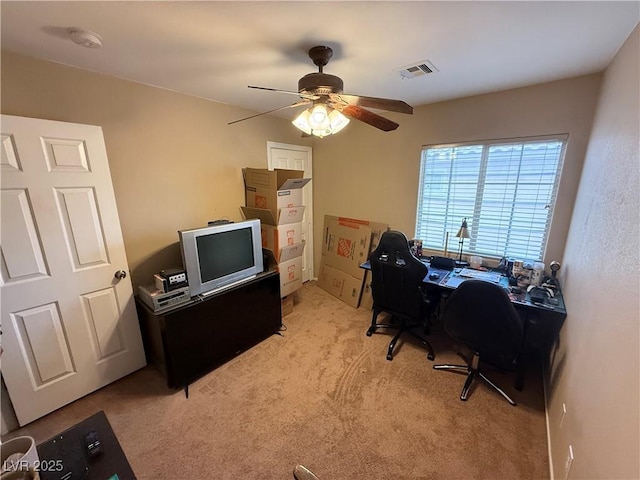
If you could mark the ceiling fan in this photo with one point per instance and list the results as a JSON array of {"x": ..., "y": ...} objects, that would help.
[{"x": 330, "y": 108}]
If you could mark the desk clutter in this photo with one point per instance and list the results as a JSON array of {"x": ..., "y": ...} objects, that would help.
[
  {"x": 493, "y": 312},
  {"x": 548, "y": 295}
]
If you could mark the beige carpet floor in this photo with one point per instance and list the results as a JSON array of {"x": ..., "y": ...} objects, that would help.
[{"x": 323, "y": 395}]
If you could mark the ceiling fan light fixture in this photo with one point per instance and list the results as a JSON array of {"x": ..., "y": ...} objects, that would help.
[
  {"x": 320, "y": 121},
  {"x": 338, "y": 121},
  {"x": 324, "y": 93},
  {"x": 302, "y": 122},
  {"x": 319, "y": 117}
]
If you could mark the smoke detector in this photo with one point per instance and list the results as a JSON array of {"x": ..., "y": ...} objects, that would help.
[{"x": 85, "y": 38}]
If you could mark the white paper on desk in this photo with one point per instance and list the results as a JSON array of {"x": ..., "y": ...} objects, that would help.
[{"x": 478, "y": 275}]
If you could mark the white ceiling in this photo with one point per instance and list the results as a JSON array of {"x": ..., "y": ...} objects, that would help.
[{"x": 215, "y": 49}]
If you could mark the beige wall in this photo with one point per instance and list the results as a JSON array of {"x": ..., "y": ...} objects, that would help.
[
  {"x": 596, "y": 372},
  {"x": 365, "y": 173},
  {"x": 175, "y": 163}
]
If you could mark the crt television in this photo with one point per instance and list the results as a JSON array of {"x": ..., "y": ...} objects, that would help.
[{"x": 219, "y": 256}]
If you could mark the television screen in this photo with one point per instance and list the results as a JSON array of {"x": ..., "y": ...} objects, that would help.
[{"x": 220, "y": 254}]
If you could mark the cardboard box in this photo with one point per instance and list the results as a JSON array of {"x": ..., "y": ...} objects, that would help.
[
  {"x": 377, "y": 228},
  {"x": 291, "y": 251},
  {"x": 277, "y": 237},
  {"x": 287, "y": 305},
  {"x": 332, "y": 225},
  {"x": 285, "y": 216},
  {"x": 346, "y": 247},
  {"x": 278, "y": 179},
  {"x": 283, "y": 231},
  {"x": 275, "y": 198},
  {"x": 340, "y": 285},
  {"x": 290, "y": 275},
  {"x": 273, "y": 189},
  {"x": 289, "y": 263}
]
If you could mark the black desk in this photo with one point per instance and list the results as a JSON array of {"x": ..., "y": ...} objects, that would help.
[
  {"x": 65, "y": 455},
  {"x": 543, "y": 320},
  {"x": 189, "y": 340}
]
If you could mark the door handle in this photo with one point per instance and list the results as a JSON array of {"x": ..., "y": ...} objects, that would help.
[{"x": 120, "y": 274}]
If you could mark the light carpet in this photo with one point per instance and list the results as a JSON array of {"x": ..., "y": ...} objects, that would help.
[{"x": 322, "y": 395}]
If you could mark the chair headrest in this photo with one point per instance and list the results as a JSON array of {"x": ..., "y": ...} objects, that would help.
[{"x": 394, "y": 240}]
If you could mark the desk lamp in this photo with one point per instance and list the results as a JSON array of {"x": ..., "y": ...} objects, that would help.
[{"x": 462, "y": 234}]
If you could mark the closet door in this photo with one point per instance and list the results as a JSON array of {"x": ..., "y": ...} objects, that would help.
[{"x": 298, "y": 157}]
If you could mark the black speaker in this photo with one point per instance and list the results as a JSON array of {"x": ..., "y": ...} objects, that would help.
[{"x": 443, "y": 262}]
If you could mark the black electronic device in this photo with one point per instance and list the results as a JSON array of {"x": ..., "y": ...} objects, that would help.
[
  {"x": 93, "y": 444},
  {"x": 220, "y": 221},
  {"x": 539, "y": 294},
  {"x": 505, "y": 266},
  {"x": 170, "y": 279},
  {"x": 444, "y": 263},
  {"x": 434, "y": 276}
]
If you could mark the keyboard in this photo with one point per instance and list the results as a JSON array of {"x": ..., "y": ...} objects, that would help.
[{"x": 478, "y": 275}]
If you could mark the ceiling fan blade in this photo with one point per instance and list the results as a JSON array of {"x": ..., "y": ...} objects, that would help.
[
  {"x": 373, "y": 102},
  {"x": 303, "y": 95},
  {"x": 298, "y": 104},
  {"x": 375, "y": 120}
]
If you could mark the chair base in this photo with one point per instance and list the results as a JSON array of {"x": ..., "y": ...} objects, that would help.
[
  {"x": 402, "y": 328},
  {"x": 473, "y": 372}
]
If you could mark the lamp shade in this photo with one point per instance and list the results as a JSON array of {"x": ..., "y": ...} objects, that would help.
[
  {"x": 302, "y": 122},
  {"x": 319, "y": 118},
  {"x": 464, "y": 230}
]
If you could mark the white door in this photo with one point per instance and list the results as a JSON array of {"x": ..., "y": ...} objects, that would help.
[
  {"x": 69, "y": 324},
  {"x": 298, "y": 157}
]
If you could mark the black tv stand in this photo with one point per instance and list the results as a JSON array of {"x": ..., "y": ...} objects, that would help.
[{"x": 190, "y": 340}]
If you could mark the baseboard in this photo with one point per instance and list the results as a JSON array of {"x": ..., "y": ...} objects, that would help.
[{"x": 545, "y": 383}]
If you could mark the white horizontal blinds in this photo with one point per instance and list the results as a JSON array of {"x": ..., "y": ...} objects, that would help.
[
  {"x": 448, "y": 191},
  {"x": 506, "y": 190}
]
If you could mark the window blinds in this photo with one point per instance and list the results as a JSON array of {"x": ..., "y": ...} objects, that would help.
[{"x": 505, "y": 189}]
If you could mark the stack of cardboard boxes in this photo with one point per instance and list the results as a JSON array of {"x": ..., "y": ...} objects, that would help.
[
  {"x": 275, "y": 198},
  {"x": 346, "y": 244}
]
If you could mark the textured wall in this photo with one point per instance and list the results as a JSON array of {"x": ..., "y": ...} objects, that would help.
[{"x": 596, "y": 370}]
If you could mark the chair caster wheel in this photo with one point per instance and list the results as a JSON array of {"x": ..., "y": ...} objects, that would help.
[
  {"x": 431, "y": 356},
  {"x": 389, "y": 357},
  {"x": 369, "y": 333}
]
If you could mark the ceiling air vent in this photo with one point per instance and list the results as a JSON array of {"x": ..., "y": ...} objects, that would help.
[{"x": 417, "y": 69}]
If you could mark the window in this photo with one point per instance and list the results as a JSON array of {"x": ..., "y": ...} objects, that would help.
[{"x": 505, "y": 189}]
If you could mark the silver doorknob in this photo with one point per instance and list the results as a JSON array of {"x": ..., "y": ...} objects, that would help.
[{"x": 120, "y": 274}]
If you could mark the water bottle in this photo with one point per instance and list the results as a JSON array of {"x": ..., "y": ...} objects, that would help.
[{"x": 538, "y": 273}]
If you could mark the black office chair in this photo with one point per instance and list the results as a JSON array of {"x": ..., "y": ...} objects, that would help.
[
  {"x": 480, "y": 315},
  {"x": 396, "y": 286}
]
